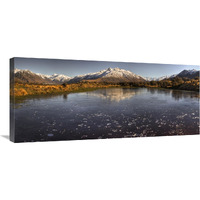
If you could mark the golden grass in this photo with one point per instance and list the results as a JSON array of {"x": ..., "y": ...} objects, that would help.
[
  {"x": 21, "y": 90},
  {"x": 31, "y": 89}
]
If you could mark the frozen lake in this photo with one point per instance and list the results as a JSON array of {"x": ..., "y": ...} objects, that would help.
[{"x": 107, "y": 113}]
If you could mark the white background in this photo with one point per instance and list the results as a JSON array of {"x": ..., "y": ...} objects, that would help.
[{"x": 137, "y": 31}]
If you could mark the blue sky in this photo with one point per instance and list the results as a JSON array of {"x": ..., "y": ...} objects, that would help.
[{"x": 77, "y": 67}]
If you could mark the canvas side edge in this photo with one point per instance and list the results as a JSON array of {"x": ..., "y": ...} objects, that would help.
[{"x": 12, "y": 101}]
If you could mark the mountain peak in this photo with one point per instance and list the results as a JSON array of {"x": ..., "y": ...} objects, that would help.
[
  {"x": 109, "y": 75},
  {"x": 114, "y": 69},
  {"x": 16, "y": 70},
  {"x": 189, "y": 70}
]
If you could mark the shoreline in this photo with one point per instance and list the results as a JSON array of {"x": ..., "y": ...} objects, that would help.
[{"x": 27, "y": 90}]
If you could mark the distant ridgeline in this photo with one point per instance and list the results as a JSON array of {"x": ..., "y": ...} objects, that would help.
[{"x": 29, "y": 83}]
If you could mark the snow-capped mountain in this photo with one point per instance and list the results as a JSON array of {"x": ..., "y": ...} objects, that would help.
[
  {"x": 57, "y": 77},
  {"x": 189, "y": 73},
  {"x": 60, "y": 77},
  {"x": 183, "y": 74},
  {"x": 109, "y": 75},
  {"x": 18, "y": 70},
  {"x": 114, "y": 75},
  {"x": 150, "y": 79},
  {"x": 160, "y": 78},
  {"x": 155, "y": 79},
  {"x": 27, "y": 76}
]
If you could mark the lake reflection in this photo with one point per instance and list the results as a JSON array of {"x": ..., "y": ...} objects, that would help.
[
  {"x": 108, "y": 113},
  {"x": 115, "y": 94}
]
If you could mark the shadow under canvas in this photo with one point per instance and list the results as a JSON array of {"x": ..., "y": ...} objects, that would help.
[{"x": 5, "y": 136}]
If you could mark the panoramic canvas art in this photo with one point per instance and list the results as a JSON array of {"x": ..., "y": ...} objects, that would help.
[{"x": 52, "y": 99}]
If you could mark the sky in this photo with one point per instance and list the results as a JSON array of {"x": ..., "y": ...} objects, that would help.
[{"x": 79, "y": 67}]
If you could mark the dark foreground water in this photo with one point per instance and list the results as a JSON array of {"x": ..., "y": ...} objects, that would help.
[{"x": 107, "y": 113}]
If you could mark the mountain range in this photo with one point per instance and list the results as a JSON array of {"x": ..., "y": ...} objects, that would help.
[
  {"x": 160, "y": 78},
  {"x": 113, "y": 75},
  {"x": 183, "y": 74},
  {"x": 27, "y": 76}
]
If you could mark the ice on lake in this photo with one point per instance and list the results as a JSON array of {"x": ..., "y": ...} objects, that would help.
[{"x": 108, "y": 113}]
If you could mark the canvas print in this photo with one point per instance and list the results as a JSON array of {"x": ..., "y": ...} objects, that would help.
[{"x": 52, "y": 99}]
